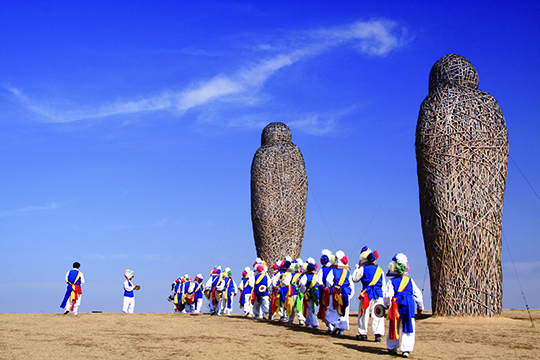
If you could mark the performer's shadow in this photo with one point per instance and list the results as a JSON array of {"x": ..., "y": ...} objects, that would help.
[{"x": 363, "y": 346}]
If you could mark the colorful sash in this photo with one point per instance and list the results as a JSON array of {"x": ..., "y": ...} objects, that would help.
[
  {"x": 364, "y": 297},
  {"x": 310, "y": 294},
  {"x": 72, "y": 292}
]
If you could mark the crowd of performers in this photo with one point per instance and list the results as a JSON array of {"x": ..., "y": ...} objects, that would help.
[{"x": 295, "y": 289}]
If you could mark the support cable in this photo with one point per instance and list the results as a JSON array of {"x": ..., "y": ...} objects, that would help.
[
  {"x": 384, "y": 198},
  {"x": 519, "y": 282}
]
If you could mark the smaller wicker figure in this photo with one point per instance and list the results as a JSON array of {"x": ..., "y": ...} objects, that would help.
[{"x": 278, "y": 195}]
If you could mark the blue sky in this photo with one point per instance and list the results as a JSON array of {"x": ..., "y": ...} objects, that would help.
[{"x": 127, "y": 132}]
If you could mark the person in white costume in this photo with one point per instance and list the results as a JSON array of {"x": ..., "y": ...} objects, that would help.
[
  {"x": 339, "y": 281},
  {"x": 129, "y": 298},
  {"x": 373, "y": 282},
  {"x": 401, "y": 297}
]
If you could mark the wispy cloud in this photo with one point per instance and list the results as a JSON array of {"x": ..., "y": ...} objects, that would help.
[
  {"x": 26, "y": 209},
  {"x": 240, "y": 87}
]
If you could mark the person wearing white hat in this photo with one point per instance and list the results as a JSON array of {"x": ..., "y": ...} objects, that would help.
[
  {"x": 339, "y": 282},
  {"x": 402, "y": 297},
  {"x": 246, "y": 288},
  {"x": 373, "y": 282},
  {"x": 129, "y": 298}
]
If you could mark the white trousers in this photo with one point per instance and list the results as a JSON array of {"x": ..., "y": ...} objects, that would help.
[
  {"x": 336, "y": 321},
  {"x": 377, "y": 325},
  {"x": 407, "y": 339},
  {"x": 311, "y": 319},
  {"x": 248, "y": 306},
  {"x": 262, "y": 306},
  {"x": 129, "y": 305},
  {"x": 199, "y": 306},
  {"x": 295, "y": 311},
  {"x": 76, "y": 307}
]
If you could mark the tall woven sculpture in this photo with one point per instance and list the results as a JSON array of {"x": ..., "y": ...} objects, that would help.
[
  {"x": 462, "y": 158},
  {"x": 278, "y": 195}
]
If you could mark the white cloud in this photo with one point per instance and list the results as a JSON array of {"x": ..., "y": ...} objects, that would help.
[
  {"x": 26, "y": 209},
  {"x": 376, "y": 38}
]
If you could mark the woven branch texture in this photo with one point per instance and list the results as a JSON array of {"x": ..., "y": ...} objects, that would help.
[
  {"x": 278, "y": 195},
  {"x": 462, "y": 158}
]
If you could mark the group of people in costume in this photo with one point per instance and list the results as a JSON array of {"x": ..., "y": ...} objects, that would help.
[
  {"x": 292, "y": 288},
  {"x": 187, "y": 294}
]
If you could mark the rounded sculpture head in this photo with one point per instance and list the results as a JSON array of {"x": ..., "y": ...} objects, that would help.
[
  {"x": 453, "y": 69},
  {"x": 276, "y": 131}
]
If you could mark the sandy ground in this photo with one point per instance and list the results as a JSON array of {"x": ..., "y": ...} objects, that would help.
[{"x": 173, "y": 336}]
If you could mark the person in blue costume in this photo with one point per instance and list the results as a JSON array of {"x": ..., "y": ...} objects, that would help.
[
  {"x": 293, "y": 301},
  {"x": 373, "y": 282},
  {"x": 308, "y": 287},
  {"x": 327, "y": 259},
  {"x": 72, "y": 299},
  {"x": 246, "y": 288},
  {"x": 261, "y": 304},
  {"x": 198, "y": 294},
  {"x": 129, "y": 298},
  {"x": 211, "y": 290},
  {"x": 228, "y": 290},
  {"x": 401, "y": 297}
]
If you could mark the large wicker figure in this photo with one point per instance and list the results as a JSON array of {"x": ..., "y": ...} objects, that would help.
[
  {"x": 462, "y": 157},
  {"x": 278, "y": 195}
]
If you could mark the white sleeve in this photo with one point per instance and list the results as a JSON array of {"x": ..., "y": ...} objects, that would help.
[
  {"x": 319, "y": 279},
  {"x": 418, "y": 296},
  {"x": 221, "y": 285},
  {"x": 208, "y": 284},
  {"x": 82, "y": 278},
  {"x": 67, "y": 274},
  {"x": 287, "y": 280},
  {"x": 251, "y": 281},
  {"x": 302, "y": 283},
  {"x": 241, "y": 285},
  {"x": 128, "y": 287},
  {"x": 388, "y": 294},
  {"x": 330, "y": 278},
  {"x": 235, "y": 288},
  {"x": 352, "y": 284},
  {"x": 358, "y": 274}
]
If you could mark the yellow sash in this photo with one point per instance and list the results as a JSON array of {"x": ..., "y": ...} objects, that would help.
[
  {"x": 376, "y": 277},
  {"x": 72, "y": 294},
  {"x": 343, "y": 276},
  {"x": 403, "y": 284},
  {"x": 259, "y": 279}
]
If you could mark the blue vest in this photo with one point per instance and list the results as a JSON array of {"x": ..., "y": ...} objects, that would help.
[
  {"x": 374, "y": 291},
  {"x": 128, "y": 293},
  {"x": 405, "y": 302}
]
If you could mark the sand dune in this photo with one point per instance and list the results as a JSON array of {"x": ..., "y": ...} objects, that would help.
[{"x": 172, "y": 336}]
